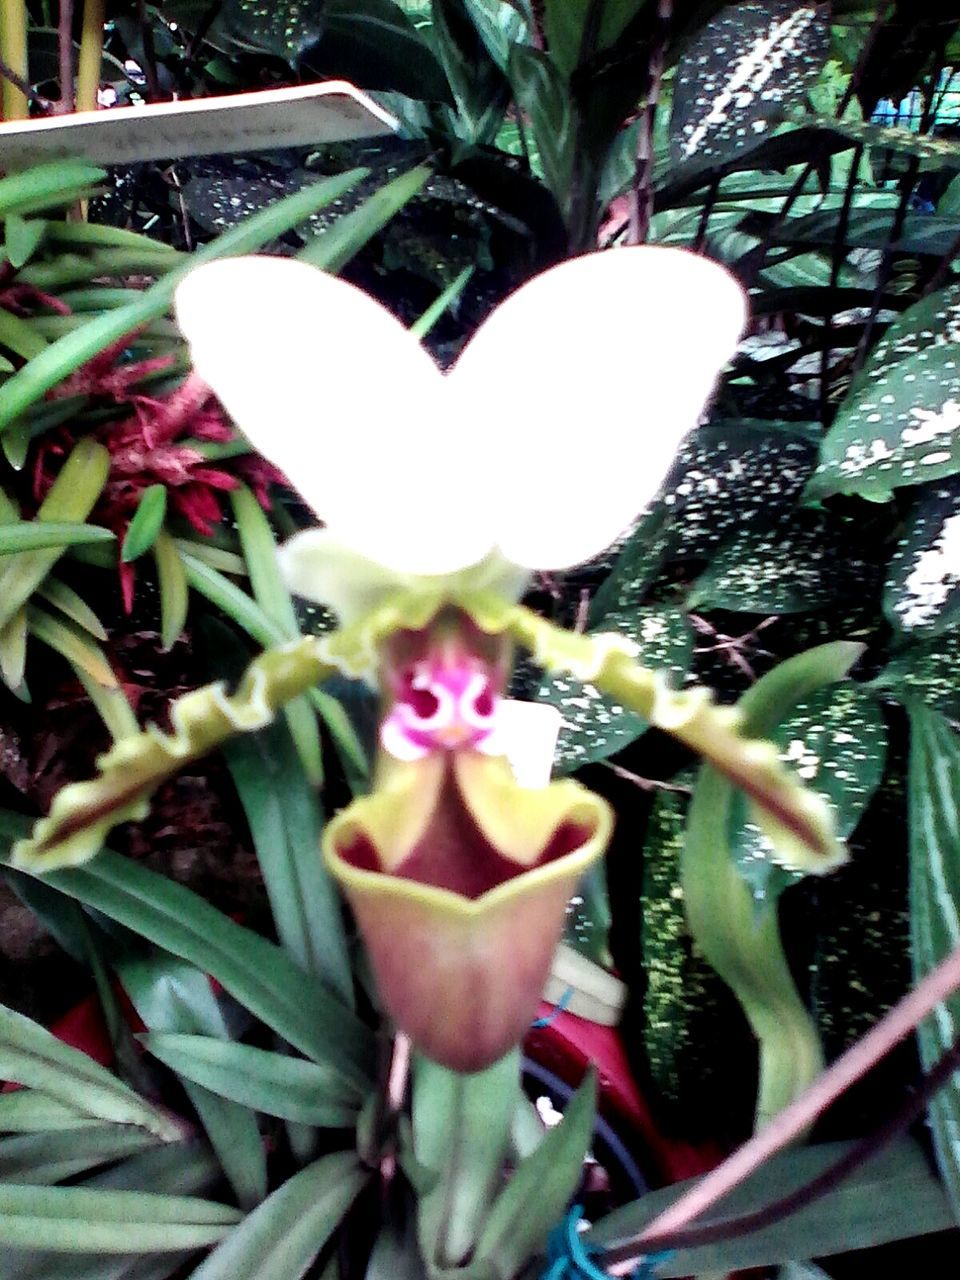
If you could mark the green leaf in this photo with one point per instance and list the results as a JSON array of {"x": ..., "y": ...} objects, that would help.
[
  {"x": 743, "y": 943},
  {"x": 76, "y": 646},
  {"x": 146, "y": 523},
  {"x": 729, "y": 474},
  {"x": 20, "y": 336},
  {"x": 37, "y": 535},
  {"x": 565, "y": 23},
  {"x": 13, "y": 650},
  {"x": 71, "y": 498},
  {"x": 236, "y": 604},
  {"x": 899, "y": 423},
  {"x": 72, "y": 605},
  {"x": 837, "y": 742},
  {"x": 447, "y": 299},
  {"x": 282, "y": 1236},
  {"x": 171, "y": 996},
  {"x": 40, "y": 1158},
  {"x": 540, "y": 92},
  {"x": 337, "y": 244},
  {"x": 926, "y": 670},
  {"x": 63, "y": 357},
  {"x": 933, "y": 806},
  {"x": 480, "y": 90},
  {"x": 75, "y": 1220},
  {"x": 594, "y": 726},
  {"x": 271, "y": 593},
  {"x": 461, "y": 1132},
  {"x": 747, "y": 63},
  {"x": 802, "y": 561},
  {"x": 373, "y": 43},
  {"x": 536, "y": 1197},
  {"x": 895, "y": 1196},
  {"x": 256, "y": 972},
  {"x": 26, "y": 1111},
  {"x": 286, "y": 821},
  {"x": 60, "y": 182},
  {"x": 32, "y": 1056},
  {"x": 173, "y": 587},
  {"x": 23, "y": 236},
  {"x": 922, "y": 592},
  {"x": 500, "y": 25},
  {"x": 274, "y": 1083},
  {"x": 284, "y": 29}
]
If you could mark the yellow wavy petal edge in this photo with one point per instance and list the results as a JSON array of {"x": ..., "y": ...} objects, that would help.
[{"x": 83, "y": 812}]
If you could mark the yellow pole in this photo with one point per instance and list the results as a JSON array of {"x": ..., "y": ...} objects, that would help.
[
  {"x": 91, "y": 53},
  {"x": 13, "y": 50}
]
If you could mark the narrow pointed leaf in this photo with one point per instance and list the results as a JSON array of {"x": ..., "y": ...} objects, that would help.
[
  {"x": 274, "y": 1083},
  {"x": 31, "y": 1056},
  {"x": 934, "y": 803},
  {"x": 282, "y": 1236},
  {"x": 146, "y": 523},
  {"x": 41, "y": 1158}
]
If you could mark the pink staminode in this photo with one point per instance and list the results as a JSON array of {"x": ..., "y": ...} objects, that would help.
[{"x": 440, "y": 706}]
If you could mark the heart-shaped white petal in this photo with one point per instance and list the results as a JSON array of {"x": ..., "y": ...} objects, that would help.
[
  {"x": 329, "y": 386},
  {"x": 584, "y": 382},
  {"x": 555, "y": 428}
]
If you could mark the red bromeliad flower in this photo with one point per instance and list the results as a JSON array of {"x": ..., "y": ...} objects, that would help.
[{"x": 157, "y": 443}]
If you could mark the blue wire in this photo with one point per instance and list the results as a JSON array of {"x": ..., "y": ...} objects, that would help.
[
  {"x": 558, "y": 1008},
  {"x": 569, "y": 1257}
]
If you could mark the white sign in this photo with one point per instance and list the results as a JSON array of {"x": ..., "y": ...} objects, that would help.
[{"x": 304, "y": 116}]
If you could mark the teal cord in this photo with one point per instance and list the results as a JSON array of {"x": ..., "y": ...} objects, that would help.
[{"x": 569, "y": 1257}]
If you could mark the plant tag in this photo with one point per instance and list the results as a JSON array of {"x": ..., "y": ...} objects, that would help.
[
  {"x": 527, "y": 734},
  {"x": 304, "y": 115}
]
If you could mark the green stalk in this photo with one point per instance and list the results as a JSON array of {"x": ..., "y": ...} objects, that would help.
[
  {"x": 91, "y": 53},
  {"x": 13, "y": 50}
]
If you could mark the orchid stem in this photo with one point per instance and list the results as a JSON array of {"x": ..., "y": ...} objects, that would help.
[{"x": 13, "y": 51}]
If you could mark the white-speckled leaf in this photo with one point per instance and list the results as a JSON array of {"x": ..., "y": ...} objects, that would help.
[
  {"x": 922, "y": 593},
  {"x": 744, "y": 68},
  {"x": 836, "y": 742},
  {"x": 594, "y": 727},
  {"x": 729, "y": 474},
  {"x": 934, "y": 799},
  {"x": 927, "y": 670},
  {"x": 900, "y": 421},
  {"x": 802, "y": 561}
]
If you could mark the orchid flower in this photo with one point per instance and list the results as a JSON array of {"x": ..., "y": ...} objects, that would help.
[{"x": 440, "y": 494}]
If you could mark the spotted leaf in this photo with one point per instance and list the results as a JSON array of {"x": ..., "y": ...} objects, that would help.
[
  {"x": 900, "y": 421},
  {"x": 927, "y": 671},
  {"x": 730, "y": 474},
  {"x": 745, "y": 67},
  {"x": 923, "y": 588},
  {"x": 836, "y": 741},
  {"x": 595, "y": 727},
  {"x": 804, "y": 560}
]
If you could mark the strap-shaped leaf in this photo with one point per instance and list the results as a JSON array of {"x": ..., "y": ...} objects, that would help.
[
  {"x": 895, "y": 1196},
  {"x": 284, "y": 1234},
  {"x": 31, "y": 1056},
  {"x": 41, "y": 1158},
  {"x": 275, "y": 1083},
  {"x": 934, "y": 803},
  {"x": 75, "y": 1219},
  {"x": 535, "y": 1198},
  {"x": 254, "y": 971}
]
